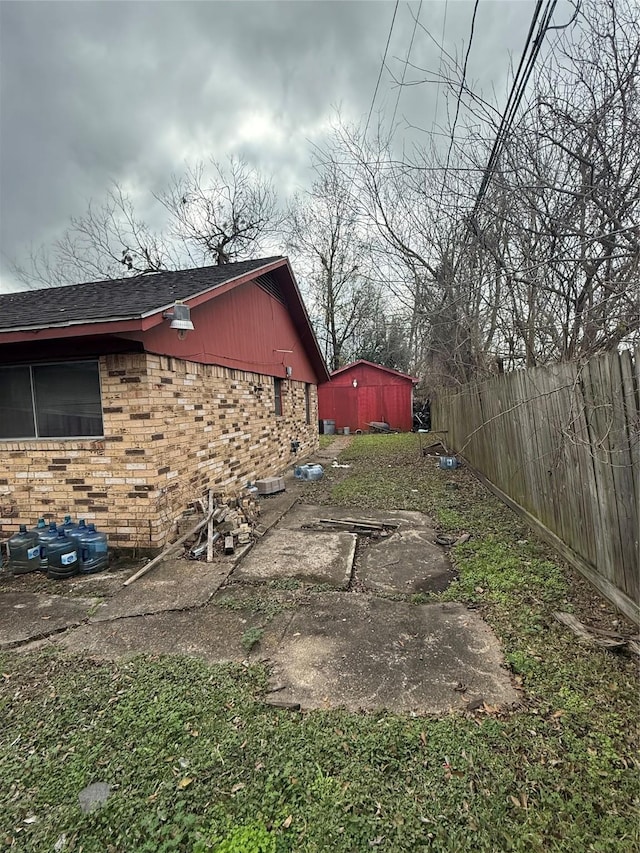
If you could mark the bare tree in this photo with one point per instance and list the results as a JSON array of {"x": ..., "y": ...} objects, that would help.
[
  {"x": 108, "y": 241},
  {"x": 557, "y": 233},
  {"x": 223, "y": 216},
  {"x": 323, "y": 235},
  {"x": 546, "y": 265}
]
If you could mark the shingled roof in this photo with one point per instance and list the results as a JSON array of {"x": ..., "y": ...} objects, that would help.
[{"x": 116, "y": 299}]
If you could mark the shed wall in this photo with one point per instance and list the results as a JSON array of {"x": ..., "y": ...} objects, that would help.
[{"x": 379, "y": 396}]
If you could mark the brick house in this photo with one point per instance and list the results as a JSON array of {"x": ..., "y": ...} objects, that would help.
[{"x": 110, "y": 414}]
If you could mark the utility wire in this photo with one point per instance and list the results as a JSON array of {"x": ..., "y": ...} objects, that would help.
[
  {"x": 516, "y": 94},
  {"x": 382, "y": 66},
  {"x": 444, "y": 27},
  {"x": 406, "y": 62},
  {"x": 459, "y": 98}
]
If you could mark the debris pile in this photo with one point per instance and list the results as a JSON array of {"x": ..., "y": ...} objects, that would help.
[
  {"x": 214, "y": 526},
  {"x": 234, "y": 522}
]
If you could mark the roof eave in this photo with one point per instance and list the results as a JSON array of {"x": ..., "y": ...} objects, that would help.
[
  {"x": 315, "y": 352},
  {"x": 415, "y": 380},
  {"x": 141, "y": 321}
]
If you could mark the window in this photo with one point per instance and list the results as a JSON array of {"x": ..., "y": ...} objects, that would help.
[
  {"x": 277, "y": 395},
  {"x": 307, "y": 403},
  {"x": 51, "y": 401}
]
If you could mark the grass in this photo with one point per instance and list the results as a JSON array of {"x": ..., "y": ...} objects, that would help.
[
  {"x": 251, "y": 637},
  {"x": 197, "y": 762}
]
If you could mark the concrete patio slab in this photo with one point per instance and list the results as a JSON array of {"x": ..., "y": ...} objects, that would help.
[
  {"x": 314, "y": 558},
  {"x": 406, "y": 562},
  {"x": 26, "y": 616},
  {"x": 362, "y": 652},
  {"x": 211, "y": 633},
  {"x": 172, "y": 585}
]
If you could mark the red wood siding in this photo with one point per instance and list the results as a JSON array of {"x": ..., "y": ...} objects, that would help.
[
  {"x": 380, "y": 396},
  {"x": 244, "y": 328}
]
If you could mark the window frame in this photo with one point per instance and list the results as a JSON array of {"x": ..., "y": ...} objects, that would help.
[
  {"x": 277, "y": 396},
  {"x": 58, "y": 363}
]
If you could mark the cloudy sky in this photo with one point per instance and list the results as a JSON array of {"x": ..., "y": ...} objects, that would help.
[{"x": 92, "y": 92}]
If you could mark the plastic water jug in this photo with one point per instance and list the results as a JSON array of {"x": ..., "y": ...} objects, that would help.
[
  {"x": 94, "y": 553},
  {"x": 448, "y": 462},
  {"x": 41, "y": 529},
  {"x": 48, "y": 534},
  {"x": 24, "y": 551},
  {"x": 63, "y": 557},
  {"x": 76, "y": 531},
  {"x": 297, "y": 472},
  {"x": 313, "y": 472}
]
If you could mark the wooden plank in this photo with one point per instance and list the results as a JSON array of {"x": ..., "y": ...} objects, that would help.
[
  {"x": 612, "y": 506},
  {"x": 168, "y": 550},
  {"x": 593, "y": 421},
  {"x": 580, "y": 630},
  {"x": 580, "y": 526},
  {"x": 210, "y": 528},
  {"x": 621, "y": 468},
  {"x": 590, "y": 547}
]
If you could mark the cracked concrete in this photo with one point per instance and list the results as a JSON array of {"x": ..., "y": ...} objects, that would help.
[
  {"x": 313, "y": 558},
  {"x": 31, "y": 616},
  {"x": 325, "y": 649},
  {"x": 212, "y": 633},
  {"x": 173, "y": 585},
  {"x": 361, "y": 652},
  {"x": 407, "y": 561}
]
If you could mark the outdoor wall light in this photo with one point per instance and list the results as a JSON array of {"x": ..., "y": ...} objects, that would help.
[
  {"x": 180, "y": 318},
  {"x": 355, "y": 383}
]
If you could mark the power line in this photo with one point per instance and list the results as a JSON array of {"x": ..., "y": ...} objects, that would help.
[
  {"x": 459, "y": 98},
  {"x": 516, "y": 94},
  {"x": 382, "y": 65},
  {"x": 444, "y": 26},
  {"x": 406, "y": 62}
]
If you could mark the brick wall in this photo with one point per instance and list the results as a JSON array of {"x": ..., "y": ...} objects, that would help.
[{"x": 172, "y": 429}]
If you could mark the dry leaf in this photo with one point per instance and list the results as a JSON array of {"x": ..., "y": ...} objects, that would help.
[
  {"x": 238, "y": 787},
  {"x": 185, "y": 782},
  {"x": 515, "y": 801},
  {"x": 286, "y": 823}
]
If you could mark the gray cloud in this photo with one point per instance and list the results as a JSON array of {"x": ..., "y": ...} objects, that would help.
[{"x": 92, "y": 92}]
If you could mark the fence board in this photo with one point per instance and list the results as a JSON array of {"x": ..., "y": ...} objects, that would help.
[{"x": 562, "y": 443}]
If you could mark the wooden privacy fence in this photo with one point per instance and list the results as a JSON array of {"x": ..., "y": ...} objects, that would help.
[{"x": 561, "y": 444}]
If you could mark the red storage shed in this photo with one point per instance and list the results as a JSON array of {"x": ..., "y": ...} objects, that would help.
[{"x": 362, "y": 393}]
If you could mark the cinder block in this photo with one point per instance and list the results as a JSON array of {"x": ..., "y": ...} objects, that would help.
[{"x": 270, "y": 485}]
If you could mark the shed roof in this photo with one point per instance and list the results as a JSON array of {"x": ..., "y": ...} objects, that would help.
[
  {"x": 116, "y": 299},
  {"x": 381, "y": 367}
]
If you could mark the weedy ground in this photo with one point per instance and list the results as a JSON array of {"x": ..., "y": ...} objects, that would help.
[{"x": 197, "y": 762}]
